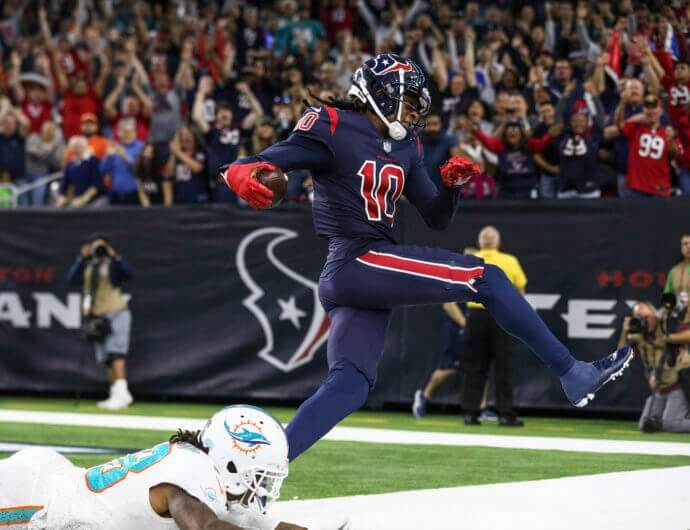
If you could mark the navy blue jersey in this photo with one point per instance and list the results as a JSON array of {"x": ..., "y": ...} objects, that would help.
[
  {"x": 516, "y": 169},
  {"x": 190, "y": 187},
  {"x": 222, "y": 146},
  {"x": 579, "y": 156},
  {"x": 359, "y": 177}
]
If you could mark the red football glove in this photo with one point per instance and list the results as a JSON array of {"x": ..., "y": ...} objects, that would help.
[
  {"x": 457, "y": 171},
  {"x": 240, "y": 178}
]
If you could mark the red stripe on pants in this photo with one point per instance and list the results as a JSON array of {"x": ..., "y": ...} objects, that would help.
[{"x": 439, "y": 271}]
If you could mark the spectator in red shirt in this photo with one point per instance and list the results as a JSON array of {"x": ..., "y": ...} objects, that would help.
[
  {"x": 336, "y": 17},
  {"x": 33, "y": 92},
  {"x": 651, "y": 148},
  {"x": 72, "y": 66},
  {"x": 133, "y": 101},
  {"x": 79, "y": 94},
  {"x": 677, "y": 84},
  {"x": 680, "y": 118},
  {"x": 78, "y": 98},
  {"x": 35, "y": 97}
]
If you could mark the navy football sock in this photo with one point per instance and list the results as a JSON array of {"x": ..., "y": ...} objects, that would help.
[
  {"x": 344, "y": 391},
  {"x": 514, "y": 314}
]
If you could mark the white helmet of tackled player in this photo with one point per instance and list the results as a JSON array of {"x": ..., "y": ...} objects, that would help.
[{"x": 250, "y": 448}]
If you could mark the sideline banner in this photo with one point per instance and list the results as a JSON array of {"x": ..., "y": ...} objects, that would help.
[{"x": 225, "y": 302}]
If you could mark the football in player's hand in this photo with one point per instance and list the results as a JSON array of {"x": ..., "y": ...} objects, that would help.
[{"x": 276, "y": 181}]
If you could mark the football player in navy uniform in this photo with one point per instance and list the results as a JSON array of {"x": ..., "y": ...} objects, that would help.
[{"x": 364, "y": 154}]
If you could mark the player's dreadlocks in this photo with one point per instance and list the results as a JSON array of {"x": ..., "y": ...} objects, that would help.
[
  {"x": 342, "y": 104},
  {"x": 188, "y": 437}
]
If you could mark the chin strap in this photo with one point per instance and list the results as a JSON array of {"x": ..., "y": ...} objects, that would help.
[{"x": 396, "y": 129}]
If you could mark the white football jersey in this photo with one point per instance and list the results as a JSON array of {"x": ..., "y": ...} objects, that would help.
[{"x": 115, "y": 495}]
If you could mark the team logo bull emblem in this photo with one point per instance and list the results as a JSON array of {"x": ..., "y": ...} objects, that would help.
[{"x": 286, "y": 305}]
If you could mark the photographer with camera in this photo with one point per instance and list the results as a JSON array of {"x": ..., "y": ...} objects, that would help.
[
  {"x": 662, "y": 340},
  {"x": 106, "y": 318}
]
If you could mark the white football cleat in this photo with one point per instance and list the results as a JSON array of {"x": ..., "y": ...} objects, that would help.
[{"x": 118, "y": 402}]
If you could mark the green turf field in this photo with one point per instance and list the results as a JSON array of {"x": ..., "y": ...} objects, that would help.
[
  {"x": 571, "y": 428},
  {"x": 349, "y": 468},
  {"x": 333, "y": 468}
]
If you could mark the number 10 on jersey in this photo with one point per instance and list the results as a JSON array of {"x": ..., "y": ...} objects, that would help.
[{"x": 381, "y": 189}]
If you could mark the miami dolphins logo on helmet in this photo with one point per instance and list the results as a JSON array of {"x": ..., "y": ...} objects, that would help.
[{"x": 246, "y": 436}]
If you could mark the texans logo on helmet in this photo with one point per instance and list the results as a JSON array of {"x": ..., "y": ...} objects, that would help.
[
  {"x": 385, "y": 64},
  {"x": 288, "y": 308}
]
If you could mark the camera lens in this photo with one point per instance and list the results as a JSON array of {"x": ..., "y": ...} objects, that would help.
[
  {"x": 100, "y": 251},
  {"x": 668, "y": 300},
  {"x": 635, "y": 325}
]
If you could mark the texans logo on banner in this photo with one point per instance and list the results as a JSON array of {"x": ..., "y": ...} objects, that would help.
[{"x": 289, "y": 312}]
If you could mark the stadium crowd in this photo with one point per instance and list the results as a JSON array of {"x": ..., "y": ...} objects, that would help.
[{"x": 141, "y": 102}]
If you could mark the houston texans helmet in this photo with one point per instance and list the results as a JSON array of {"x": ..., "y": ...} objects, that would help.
[
  {"x": 381, "y": 84},
  {"x": 249, "y": 447}
]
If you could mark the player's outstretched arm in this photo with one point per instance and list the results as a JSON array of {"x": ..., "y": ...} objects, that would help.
[
  {"x": 188, "y": 512},
  {"x": 294, "y": 153},
  {"x": 191, "y": 514}
]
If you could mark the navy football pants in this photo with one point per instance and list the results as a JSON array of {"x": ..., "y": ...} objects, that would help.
[{"x": 359, "y": 298}]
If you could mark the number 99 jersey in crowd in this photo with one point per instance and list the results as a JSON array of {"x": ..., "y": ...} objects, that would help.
[
  {"x": 41, "y": 489},
  {"x": 359, "y": 175}
]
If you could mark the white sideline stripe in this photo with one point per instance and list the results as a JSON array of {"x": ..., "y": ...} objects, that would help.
[
  {"x": 361, "y": 434},
  {"x": 6, "y": 447},
  {"x": 633, "y": 500},
  {"x": 356, "y": 434},
  {"x": 115, "y": 421}
]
